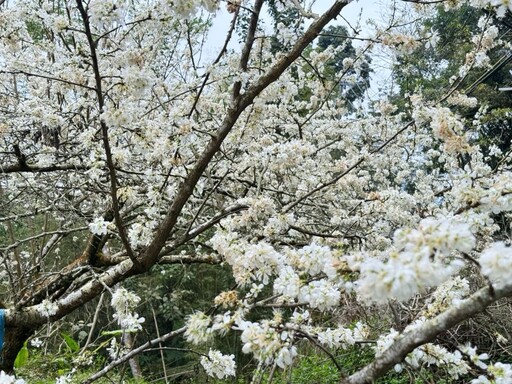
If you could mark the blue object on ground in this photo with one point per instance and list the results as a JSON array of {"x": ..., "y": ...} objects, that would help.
[{"x": 2, "y": 328}]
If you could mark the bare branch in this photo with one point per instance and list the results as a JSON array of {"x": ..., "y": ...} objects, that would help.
[
  {"x": 40, "y": 235},
  {"x": 135, "y": 352}
]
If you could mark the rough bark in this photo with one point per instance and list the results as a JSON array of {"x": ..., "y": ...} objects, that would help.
[{"x": 13, "y": 341}]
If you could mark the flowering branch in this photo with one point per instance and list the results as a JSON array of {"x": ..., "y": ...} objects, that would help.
[{"x": 427, "y": 332}]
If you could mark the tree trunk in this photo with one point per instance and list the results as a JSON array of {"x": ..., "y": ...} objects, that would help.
[
  {"x": 134, "y": 363},
  {"x": 14, "y": 338}
]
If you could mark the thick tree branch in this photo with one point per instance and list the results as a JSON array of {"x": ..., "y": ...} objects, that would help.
[
  {"x": 191, "y": 259},
  {"x": 151, "y": 253},
  {"x": 408, "y": 341},
  {"x": 249, "y": 41}
]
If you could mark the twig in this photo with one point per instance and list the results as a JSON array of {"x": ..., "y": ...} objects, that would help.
[
  {"x": 159, "y": 344},
  {"x": 94, "y": 320},
  {"x": 133, "y": 353}
]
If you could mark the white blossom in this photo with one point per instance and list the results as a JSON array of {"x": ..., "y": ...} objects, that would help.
[
  {"x": 474, "y": 357},
  {"x": 219, "y": 365},
  {"x": 320, "y": 294},
  {"x": 287, "y": 283},
  {"x": 500, "y": 373},
  {"x": 99, "y": 226},
  {"x": 47, "y": 308},
  {"x": 198, "y": 331},
  {"x": 285, "y": 356},
  {"x": 496, "y": 263},
  {"x": 124, "y": 303},
  {"x": 8, "y": 379},
  {"x": 36, "y": 343}
]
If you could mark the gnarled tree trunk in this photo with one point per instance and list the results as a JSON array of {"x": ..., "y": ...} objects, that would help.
[{"x": 14, "y": 337}]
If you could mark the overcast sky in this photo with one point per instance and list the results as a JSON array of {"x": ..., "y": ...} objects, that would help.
[{"x": 353, "y": 15}]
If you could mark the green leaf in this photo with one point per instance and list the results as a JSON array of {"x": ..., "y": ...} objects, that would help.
[
  {"x": 22, "y": 357},
  {"x": 72, "y": 344}
]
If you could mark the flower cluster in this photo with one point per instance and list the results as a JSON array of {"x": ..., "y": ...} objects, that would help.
[
  {"x": 427, "y": 354},
  {"x": 99, "y": 226},
  {"x": 342, "y": 337},
  {"x": 267, "y": 343},
  {"x": 500, "y": 373},
  {"x": 320, "y": 294},
  {"x": 48, "y": 308},
  {"x": 219, "y": 365},
  {"x": 124, "y": 303},
  {"x": 198, "y": 331},
  {"x": 116, "y": 350},
  {"x": 420, "y": 259},
  {"x": 403, "y": 44},
  {"x": 496, "y": 263},
  {"x": 8, "y": 379},
  {"x": 447, "y": 295}
]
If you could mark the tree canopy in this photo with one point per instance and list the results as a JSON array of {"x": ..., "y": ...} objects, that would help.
[{"x": 236, "y": 206}]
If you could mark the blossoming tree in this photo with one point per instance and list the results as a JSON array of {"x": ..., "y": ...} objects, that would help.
[{"x": 117, "y": 132}]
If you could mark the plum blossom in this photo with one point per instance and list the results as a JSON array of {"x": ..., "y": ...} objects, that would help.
[
  {"x": 433, "y": 39},
  {"x": 8, "y": 379},
  {"x": 320, "y": 294},
  {"x": 427, "y": 354},
  {"x": 285, "y": 356},
  {"x": 502, "y": 6},
  {"x": 315, "y": 259},
  {"x": 447, "y": 295},
  {"x": 499, "y": 372},
  {"x": 116, "y": 350},
  {"x": 496, "y": 263},
  {"x": 99, "y": 226},
  {"x": 222, "y": 323},
  {"x": 336, "y": 338},
  {"x": 219, "y": 365},
  {"x": 267, "y": 343},
  {"x": 124, "y": 302},
  {"x": 403, "y": 275},
  {"x": 109, "y": 11},
  {"x": 48, "y": 308},
  {"x": 36, "y": 343},
  {"x": 474, "y": 357},
  {"x": 198, "y": 331},
  {"x": 287, "y": 283},
  {"x": 422, "y": 258}
]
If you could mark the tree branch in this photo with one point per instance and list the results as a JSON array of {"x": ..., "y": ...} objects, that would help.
[
  {"x": 134, "y": 352},
  {"x": 427, "y": 332},
  {"x": 18, "y": 168},
  {"x": 151, "y": 253},
  {"x": 105, "y": 138}
]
